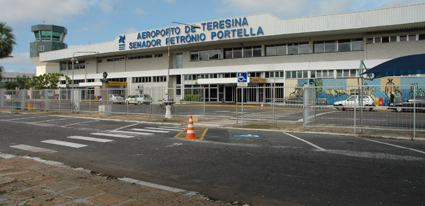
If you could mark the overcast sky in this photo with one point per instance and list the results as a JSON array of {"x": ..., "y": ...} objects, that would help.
[{"x": 97, "y": 21}]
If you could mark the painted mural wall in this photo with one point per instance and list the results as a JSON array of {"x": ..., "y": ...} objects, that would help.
[{"x": 402, "y": 88}]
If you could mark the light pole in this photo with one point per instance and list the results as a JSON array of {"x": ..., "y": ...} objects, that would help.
[
  {"x": 168, "y": 108},
  {"x": 72, "y": 80}
]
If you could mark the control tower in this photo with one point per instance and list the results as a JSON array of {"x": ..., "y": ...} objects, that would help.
[{"x": 46, "y": 38}]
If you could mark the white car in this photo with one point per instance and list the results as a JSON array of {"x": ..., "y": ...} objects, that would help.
[
  {"x": 139, "y": 99},
  {"x": 353, "y": 100},
  {"x": 114, "y": 99}
]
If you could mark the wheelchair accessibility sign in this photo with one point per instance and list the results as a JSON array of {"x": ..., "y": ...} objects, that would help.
[{"x": 242, "y": 79}]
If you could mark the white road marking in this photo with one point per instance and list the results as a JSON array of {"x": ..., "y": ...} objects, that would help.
[
  {"x": 63, "y": 143},
  {"x": 90, "y": 139},
  {"x": 415, "y": 150},
  {"x": 53, "y": 120},
  {"x": 21, "y": 118},
  {"x": 124, "y": 127},
  {"x": 374, "y": 155},
  {"x": 32, "y": 148},
  {"x": 149, "y": 130},
  {"x": 78, "y": 123},
  {"x": 112, "y": 135},
  {"x": 319, "y": 148},
  {"x": 153, "y": 185},
  {"x": 128, "y": 132},
  {"x": 168, "y": 129},
  {"x": 301, "y": 120}
]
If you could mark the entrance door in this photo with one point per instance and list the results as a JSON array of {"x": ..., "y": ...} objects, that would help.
[{"x": 229, "y": 94}]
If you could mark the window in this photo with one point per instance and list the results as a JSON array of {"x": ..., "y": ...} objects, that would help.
[
  {"x": 271, "y": 50},
  {"x": 63, "y": 66},
  {"x": 116, "y": 59},
  {"x": 357, "y": 44},
  {"x": 353, "y": 72},
  {"x": 385, "y": 39},
  {"x": 256, "y": 51},
  {"x": 204, "y": 55},
  {"x": 344, "y": 45},
  {"x": 412, "y": 37},
  {"x": 403, "y": 38},
  {"x": 369, "y": 41},
  {"x": 421, "y": 36},
  {"x": 237, "y": 52},
  {"x": 330, "y": 46},
  {"x": 247, "y": 52},
  {"x": 319, "y": 47},
  {"x": 56, "y": 36},
  {"x": 179, "y": 61},
  {"x": 40, "y": 47},
  {"x": 158, "y": 55},
  {"x": 393, "y": 38},
  {"x": 37, "y": 34},
  {"x": 378, "y": 39},
  {"x": 284, "y": 49},
  {"x": 303, "y": 48},
  {"x": 45, "y": 34}
]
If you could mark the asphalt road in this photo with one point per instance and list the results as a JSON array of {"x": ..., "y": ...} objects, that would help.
[{"x": 277, "y": 169}]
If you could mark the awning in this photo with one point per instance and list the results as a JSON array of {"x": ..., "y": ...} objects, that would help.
[{"x": 412, "y": 64}]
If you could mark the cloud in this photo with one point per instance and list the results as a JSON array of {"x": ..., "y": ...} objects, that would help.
[
  {"x": 170, "y": 1},
  {"x": 297, "y": 8},
  {"x": 393, "y": 3},
  {"x": 18, "y": 58},
  {"x": 131, "y": 30},
  {"x": 107, "y": 6},
  {"x": 139, "y": 11},
  {"x": 51, "y": 11}
]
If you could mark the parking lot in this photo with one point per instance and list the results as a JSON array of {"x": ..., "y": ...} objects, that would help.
[{"x": 309, "y": 168}]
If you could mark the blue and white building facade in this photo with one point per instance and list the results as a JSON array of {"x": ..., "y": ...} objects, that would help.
[{"x": 273, "y": 51}]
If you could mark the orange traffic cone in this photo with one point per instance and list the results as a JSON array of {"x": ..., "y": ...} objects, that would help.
[
  {"x": 262, "y": 107},
  {"x": 190, "y": 130}
]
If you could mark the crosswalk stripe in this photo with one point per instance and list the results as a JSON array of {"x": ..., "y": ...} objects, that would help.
[
  {"x": 32, "y": 148},
  {"x": 63, "y": 143},
  {"x": 112, "y": 135},
  {"x": 168, "y": 129},
  {"x": 150, "y": 130},
  {"x": 128, "y": 132},
  {"x": 90, "y": 139}
]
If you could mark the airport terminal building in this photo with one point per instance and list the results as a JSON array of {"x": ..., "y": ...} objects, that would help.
[{"x": 273, "y": 51}]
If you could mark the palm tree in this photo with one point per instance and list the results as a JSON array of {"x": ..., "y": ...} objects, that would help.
[{"x": 7, "y": 40}]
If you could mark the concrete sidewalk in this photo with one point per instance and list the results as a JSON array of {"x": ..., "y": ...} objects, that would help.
[{"x": 33, "y": 181}]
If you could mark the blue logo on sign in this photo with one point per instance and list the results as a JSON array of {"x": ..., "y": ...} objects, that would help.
[
  {"x": 122, "y": 39},
  {"x": 121, "y": 43},
  {"x": 242, "y": 77}
]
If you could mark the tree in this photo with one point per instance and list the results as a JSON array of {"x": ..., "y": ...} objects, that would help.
[
  {"x": 1, "y": 71},
  {"x": 23, "y": 82},
  {"x": 7, "y": 40},
  {"x": 47, "y": 81}
]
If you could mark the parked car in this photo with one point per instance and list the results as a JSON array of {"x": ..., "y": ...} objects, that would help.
[
  {"x": 114, "y": 99},
  {"x": 139, "y": 99},
  {"x": 353, "y": 100},
  {"x": 408, "y": 105}
]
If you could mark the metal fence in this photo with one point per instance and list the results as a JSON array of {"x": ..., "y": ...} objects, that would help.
[
  {"x": 109, "y": 101},
  {"x": 384, "y": 107},
  {"x": 381, "y": 107}
]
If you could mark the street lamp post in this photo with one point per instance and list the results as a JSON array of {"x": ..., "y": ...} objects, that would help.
[
  {"x": 72, "y": 80},
  {"x": 168, "y": 108}
]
